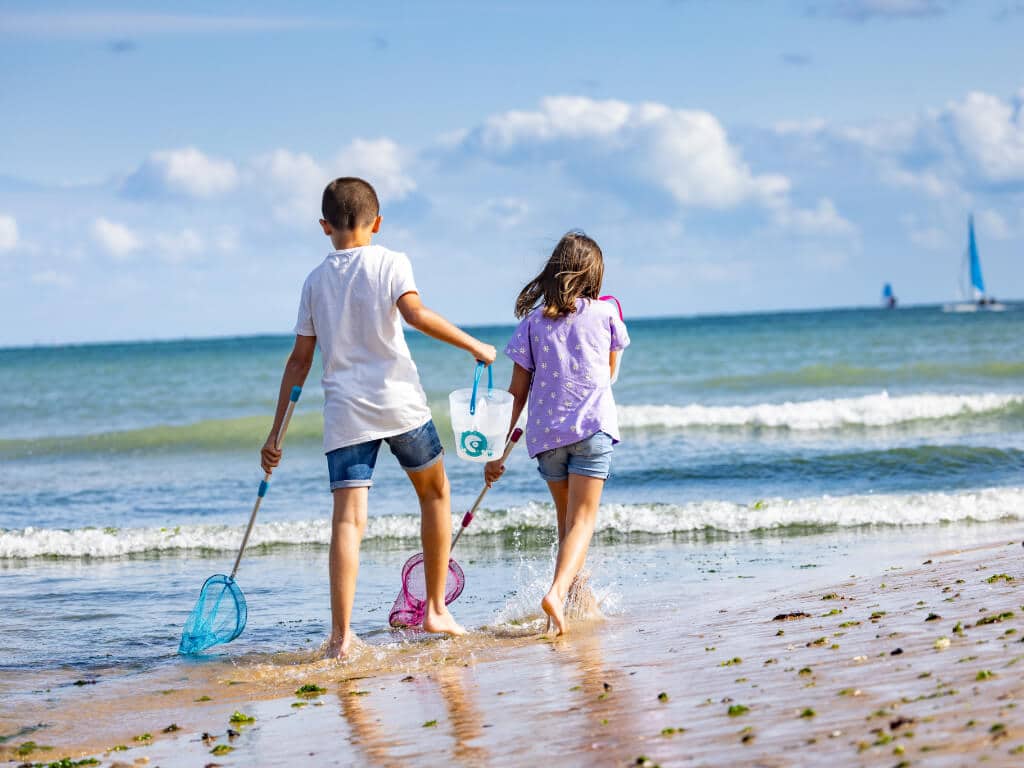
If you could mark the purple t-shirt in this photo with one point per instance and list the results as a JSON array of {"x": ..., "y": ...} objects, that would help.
[{"x": 571, "y": 394}]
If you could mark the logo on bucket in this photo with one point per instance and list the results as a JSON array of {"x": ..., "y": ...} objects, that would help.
[{"x": 473, "y": 443}]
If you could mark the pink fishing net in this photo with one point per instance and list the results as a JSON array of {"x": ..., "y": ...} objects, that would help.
[{"x": 411, "y": 603}]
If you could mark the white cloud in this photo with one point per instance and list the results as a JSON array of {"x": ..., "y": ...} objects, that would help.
[
  {"x": 505, "y": 212},
  {"x": 993, "y": 226},
  {"x": 863, "y": 10},
  {"x": 112, "y": 24},
  {"x": 990, "y": 132},
  {"x": 685, "y": 153},
  {"x": 824, "y": 220},
  {"x": 51, "y": 277},
  {"x": 179, "y": 247},
  {"x": 296, "y": 183},
  {"x": 185, "y": 171},
  {"x": 118, "y": 240},
  {"x": 379, "y": 161},
  {"x": 297, "y": 180},
  {"x": 8, "y": 233}
]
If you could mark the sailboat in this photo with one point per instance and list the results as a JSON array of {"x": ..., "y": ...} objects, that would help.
[
  {"x": 888, "y": 297},
  {"x": 975, "y": 298}
]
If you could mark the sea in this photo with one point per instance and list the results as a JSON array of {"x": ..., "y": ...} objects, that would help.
[{"x": 758, "y": 451}]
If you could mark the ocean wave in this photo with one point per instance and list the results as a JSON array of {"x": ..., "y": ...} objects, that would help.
[
  {"x": 249, "y": 431},
  {"x": 810, "y": 514},
  {"x": 821, "y": 375},
  {"x": 881, "y": 410}
]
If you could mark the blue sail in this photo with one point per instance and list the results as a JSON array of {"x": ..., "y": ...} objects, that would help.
[
  {"x": 977, "y": 281},
  {"x": 887, "y": 291}
]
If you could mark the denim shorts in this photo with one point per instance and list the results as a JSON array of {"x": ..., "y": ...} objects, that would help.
[
  {"x": 416, "y": 450},
  {"x": 591, "y": 457}
]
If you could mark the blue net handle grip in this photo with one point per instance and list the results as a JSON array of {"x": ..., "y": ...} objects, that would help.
[
  {"x": 476, "y": 383},
  {"x": 296, "y": 391},
  {"x": 264, "y": 484}
]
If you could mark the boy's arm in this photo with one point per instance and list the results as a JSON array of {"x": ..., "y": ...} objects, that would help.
[
  {"x": 519, "y": 388},
  {"x": 432, "y": 324},
  {"x": 295, "y": 372}
]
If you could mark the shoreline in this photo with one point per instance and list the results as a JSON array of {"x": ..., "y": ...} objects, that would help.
[{"x": 866, "y": 675}]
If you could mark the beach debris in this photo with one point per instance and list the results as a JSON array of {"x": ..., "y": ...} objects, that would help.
[
  {"x": 999, "y": 577},
  {"x": 780, "y": 633},
  {"x": 607, "y": 687},
  {"x": 119, "y": 748},
  {"x": 367, "y": 693},
  {"x": 735, "y": 710},
  {"x": 663, "y": 697},
  {"x": 833, "y": 612},
  {"x": 172, "y": 728},
  {"x": 429, "y": 724},
  {"x": 309, "y": 691},
  {"x": 830, "y": 596},
  {"x": 896, "y": 652},
  {"x": 747, "y": 734},
  {"x": 792, "y": 616},
  {"x": 407, "y": 679},
  {"x": 221, "y": 749},
  {"x": 233, "y": 734},
  {"x": 933, "y": 617},
  {"x": 645, "y": 762},
  {"x": 984, "y": 674},
  {"x": 994, "y": 618},
  {"x": 942, "y": 644},
  {"x": 203, "y": 698},
  {"x": 849, "y": 692},
  {"x": 672, "y": 731},
  {"x": 143, "y": 738},
  {"x": 805, "y": 671},
  {"x": 240, "y": 718},
  {"x": 299, "y": 704},
  {"x": 731, "y": 662},
  {"x": 860, "y": 658},
  {"x": 876, "y": 615},
  {"x": 819, "y": 641},
  {"x": 208, "y": 738},
  {"x": 80, "y": 683},
  {"x": 997, "y": 730},
  {"x": 808, "y": 712}
]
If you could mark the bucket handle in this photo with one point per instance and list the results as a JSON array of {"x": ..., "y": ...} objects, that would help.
[{"x": 476, "y": 383}]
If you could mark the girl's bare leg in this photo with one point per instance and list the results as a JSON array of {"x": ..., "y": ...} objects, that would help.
[{"x": 583, "y": 500}]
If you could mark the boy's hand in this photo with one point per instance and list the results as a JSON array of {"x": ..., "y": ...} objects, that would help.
[
  {"x": 270, "y": 454},
  {"x": 485, "y": 353},
  {"x": 492, "y": 471}
]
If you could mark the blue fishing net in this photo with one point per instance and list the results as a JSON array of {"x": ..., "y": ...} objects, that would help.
[{"x": 219, "y": 616}]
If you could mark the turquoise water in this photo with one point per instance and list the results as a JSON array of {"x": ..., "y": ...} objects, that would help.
[{"x": 760, "y": 441}]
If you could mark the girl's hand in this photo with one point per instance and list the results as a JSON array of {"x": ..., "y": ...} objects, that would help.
[{"x": 492, "y": 471}]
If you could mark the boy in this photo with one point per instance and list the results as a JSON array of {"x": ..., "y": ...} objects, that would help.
[{"x": 351, "y": 306}]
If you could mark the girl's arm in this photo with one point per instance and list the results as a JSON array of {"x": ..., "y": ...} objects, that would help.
[
  {"x": 613, "y": 363},
  {"x": 519, "y": 388}
]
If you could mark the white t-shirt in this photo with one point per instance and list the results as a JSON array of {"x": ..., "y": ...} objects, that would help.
[{"x": 371, "y": 386}]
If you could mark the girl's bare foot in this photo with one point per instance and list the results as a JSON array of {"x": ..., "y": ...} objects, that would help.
[
  {"x": 552, "y": 605},
  {"x": 442, "y": 622}
]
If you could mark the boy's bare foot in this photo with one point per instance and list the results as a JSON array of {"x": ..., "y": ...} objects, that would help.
[
  {"x": 442, "y": 622},
  {"x": 552, "y": 605},
  {"x": 341, "y": 647}
]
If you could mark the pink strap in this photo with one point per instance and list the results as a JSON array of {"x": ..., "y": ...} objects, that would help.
[{"x": 617, "y": 304}]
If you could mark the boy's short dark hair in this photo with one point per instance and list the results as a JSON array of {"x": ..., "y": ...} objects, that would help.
[{"x": 350, "y": 203}]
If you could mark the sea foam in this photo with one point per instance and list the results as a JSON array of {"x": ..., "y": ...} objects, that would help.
[
  {"x": 984, "y": 505},
  {"x": 879, "y": 410}
]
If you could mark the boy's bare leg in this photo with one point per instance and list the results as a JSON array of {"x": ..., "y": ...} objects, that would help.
[
  {"x": 431, "y": 486},
  {"x": 347, "y": 528},
  {"x": 583, "y": 501}
]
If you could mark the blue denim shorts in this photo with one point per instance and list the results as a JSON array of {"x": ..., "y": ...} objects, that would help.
[
  {"x": 416, "y": 450},
  {"x": 591, "y": 457}
]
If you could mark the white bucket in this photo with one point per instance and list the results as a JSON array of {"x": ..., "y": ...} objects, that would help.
[{"x": 480, "y": 419}]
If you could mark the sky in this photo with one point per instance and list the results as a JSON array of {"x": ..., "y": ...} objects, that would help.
[{"x": 161, "y": 164}]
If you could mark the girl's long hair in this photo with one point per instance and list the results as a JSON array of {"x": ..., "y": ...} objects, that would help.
[{"x": 574, "y": 271}]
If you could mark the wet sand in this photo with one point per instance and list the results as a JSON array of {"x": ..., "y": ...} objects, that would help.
[{"x": 911, "y": 666}]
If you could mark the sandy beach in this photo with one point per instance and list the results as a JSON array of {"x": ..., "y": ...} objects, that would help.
[{"x": 902, "y": 666}]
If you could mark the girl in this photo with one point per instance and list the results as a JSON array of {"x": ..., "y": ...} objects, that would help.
[{"x": 565, "y": 350}]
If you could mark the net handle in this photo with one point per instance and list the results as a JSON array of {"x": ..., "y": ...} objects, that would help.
[
  {"x": 468, "y": 517},
  {"x": 476, "y": 383},
  {"x": 265, "y": 482}
]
